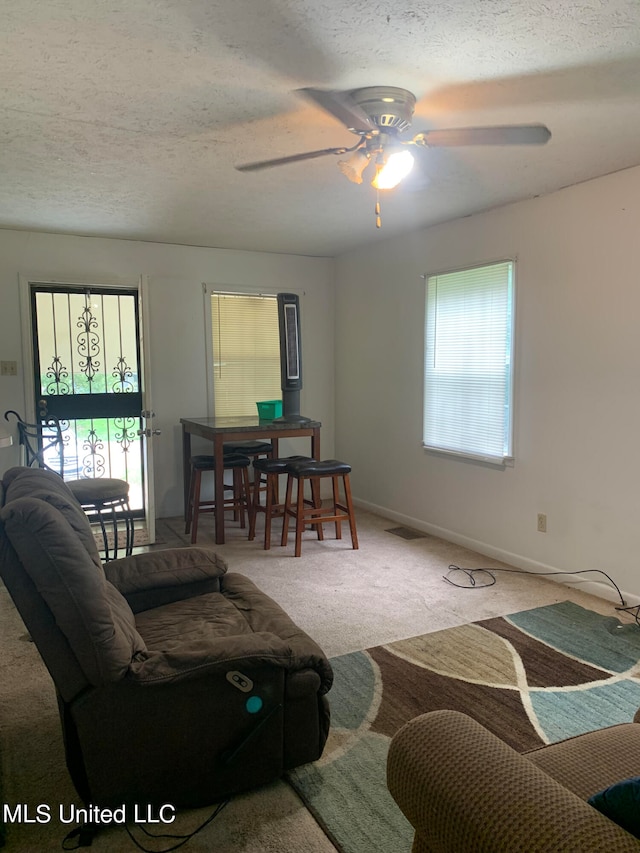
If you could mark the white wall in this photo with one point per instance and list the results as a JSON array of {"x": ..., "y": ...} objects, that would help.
[
  {"x": 178, "y": 372},
  {"x": 577, "y": 425},
  {"x": 577, "y": 414}
]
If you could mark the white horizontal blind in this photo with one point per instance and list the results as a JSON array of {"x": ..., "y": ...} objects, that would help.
[
  {"x": 246, "y": 352},
  {"x": 467, "y": 377}
]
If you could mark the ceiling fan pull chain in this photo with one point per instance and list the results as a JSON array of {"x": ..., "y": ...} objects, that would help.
[{"x": 377, "y": 209}]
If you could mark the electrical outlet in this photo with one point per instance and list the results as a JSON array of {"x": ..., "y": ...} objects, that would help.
[
  {"x": 8, "y": 368},
  {"x": 542, "y": 522}
]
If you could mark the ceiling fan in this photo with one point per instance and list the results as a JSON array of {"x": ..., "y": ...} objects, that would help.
[{"x": 378, "y": 115}]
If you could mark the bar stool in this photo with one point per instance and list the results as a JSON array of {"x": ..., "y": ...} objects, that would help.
[
  {"x": 270, "y": 470},
  {"x": 238, "y": 502},
  {"x": 99, "y": 496},
  {"x": 317, "y": 515}
]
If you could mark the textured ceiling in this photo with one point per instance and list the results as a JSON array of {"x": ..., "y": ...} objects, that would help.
[{"x": 125, "y": 118}]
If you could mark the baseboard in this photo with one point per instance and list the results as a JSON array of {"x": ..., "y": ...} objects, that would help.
[{"x": 602, "y": 589}]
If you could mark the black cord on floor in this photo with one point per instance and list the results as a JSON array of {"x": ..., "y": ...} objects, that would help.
[
  {"x": 85, "y": 834},
  {"x": 633, "y": 610},
  {"x": 183, "y": 838},
  {"x": 472, "y": 584}
]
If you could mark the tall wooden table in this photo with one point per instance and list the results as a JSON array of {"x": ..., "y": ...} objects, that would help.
[{"x": 219, "y": 430}]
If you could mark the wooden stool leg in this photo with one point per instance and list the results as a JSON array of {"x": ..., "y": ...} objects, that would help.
[
  {"x": 236, "y": 489},
  {"x": 195, "y": 510},
  {"x": 189, "y": 516},
  {"x": 336, "y": 501},
  {"x": 272, "y": 480},
  {"x": 299, "y": 516},
  {"x": 317, "y": 503},
  {"x": 245, "y": 495},
  {"x": 349, "y": 505},
  {"x": 315, "y": 492},
  {"x": 255, "y": 503},
  {"x": 287, "y": 511}
]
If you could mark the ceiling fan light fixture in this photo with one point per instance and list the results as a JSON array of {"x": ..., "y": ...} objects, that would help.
[
  {"x": 396, "y": 167},
  {"x": 354, "y": 166}
]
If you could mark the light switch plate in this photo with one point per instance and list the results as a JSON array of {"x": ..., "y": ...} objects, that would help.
[{"x": 8, "y": 368}]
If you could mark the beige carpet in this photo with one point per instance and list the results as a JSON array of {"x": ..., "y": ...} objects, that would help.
[{"x": 391, "y": 588}]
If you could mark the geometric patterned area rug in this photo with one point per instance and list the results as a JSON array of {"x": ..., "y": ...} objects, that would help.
[
  {"x": 531, "y": 678},
  {"x": 140, "y": 537}
]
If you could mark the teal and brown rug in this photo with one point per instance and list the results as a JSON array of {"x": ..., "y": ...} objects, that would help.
[{"x": 531, "y": 678}]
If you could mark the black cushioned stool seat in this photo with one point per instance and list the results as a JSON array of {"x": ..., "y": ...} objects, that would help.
[
  {"x": 239, "y": 502},
  {"x": 270, "y": 470},
  {"x": 249, "y": 448},
  {"x": 314, "y": 470}
]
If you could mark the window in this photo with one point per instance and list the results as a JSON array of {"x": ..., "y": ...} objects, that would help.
[
  {"x": 245, "y": 352},
  {"x": 468, "y": 362}
]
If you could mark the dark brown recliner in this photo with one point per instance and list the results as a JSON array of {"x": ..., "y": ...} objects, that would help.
[{"x": 177, "y": 682}]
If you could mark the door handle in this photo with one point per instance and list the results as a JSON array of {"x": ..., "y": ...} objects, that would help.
[
  {"x": 149, "y": 432},
  {"x": 147, "y": 414}
]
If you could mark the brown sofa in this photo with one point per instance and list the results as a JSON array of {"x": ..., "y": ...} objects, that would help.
[
  {"x": 465, "y": 791},
  {"x": 177, "y": 682}
]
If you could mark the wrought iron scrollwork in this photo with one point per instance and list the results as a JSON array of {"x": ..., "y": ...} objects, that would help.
[
  {"x": 127, "y": 434},
  {"x": 93, "y": 463},
  {"x": 88, "y": 342},
  {"x": 65, "y": 432},
  {"x": 87, "y": 348},
  {"x": 57, "y": 374},
  {"x": 123, "y": 374}
]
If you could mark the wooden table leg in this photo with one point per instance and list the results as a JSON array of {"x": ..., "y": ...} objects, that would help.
[
  {"x": 275, "y": 455},
  {"x": 218, "y": 492},
  {"x": 186, "y": 466},
  {"x": 315, "y": 444}
]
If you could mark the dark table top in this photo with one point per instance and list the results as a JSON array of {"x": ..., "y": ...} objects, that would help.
[{"x": 250, "y": 424}]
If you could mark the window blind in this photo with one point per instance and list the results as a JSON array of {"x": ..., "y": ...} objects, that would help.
[
  {"x": 467, "y": 375},
  {"x": 246, "y": 352}
]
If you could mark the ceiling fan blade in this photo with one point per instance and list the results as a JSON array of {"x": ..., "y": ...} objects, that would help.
[
  {"x": 517, "y": 134},
  {"x": 342, "y": 106},
  {"x": 293, "y": 158}
]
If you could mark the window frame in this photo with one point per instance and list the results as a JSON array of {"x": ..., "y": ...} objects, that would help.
[
  {"x": 208, "y": 290},
  {"x": 507, "y": 457}
]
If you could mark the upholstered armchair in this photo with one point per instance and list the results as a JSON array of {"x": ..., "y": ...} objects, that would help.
[
  {"x": 177, "y": 681},
  {"x": 466, "y": 791}
]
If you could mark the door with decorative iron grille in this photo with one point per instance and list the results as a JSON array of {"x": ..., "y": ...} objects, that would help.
[{"x": 87, "y": 373}]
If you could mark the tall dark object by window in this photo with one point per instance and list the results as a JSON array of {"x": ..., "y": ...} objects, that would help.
[{"x": 290, "y": 356}]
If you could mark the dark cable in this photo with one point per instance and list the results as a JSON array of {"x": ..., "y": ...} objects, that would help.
[
  {"x": 633, "y": 610},
  {"x": 183, "y": 838},
  {"x": 85, "y": 834},
  {"x": 470, "y": 573}
]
